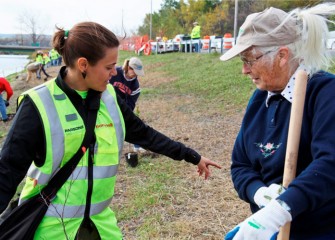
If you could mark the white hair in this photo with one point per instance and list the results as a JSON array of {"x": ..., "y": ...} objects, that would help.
[{"x": 311, "y": 48}]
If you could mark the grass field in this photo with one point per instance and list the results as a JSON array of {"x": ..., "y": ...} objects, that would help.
[{"x": 203, "y": 75}]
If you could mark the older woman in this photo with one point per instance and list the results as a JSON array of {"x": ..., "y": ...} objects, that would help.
[{"x": 273, "y": 46}]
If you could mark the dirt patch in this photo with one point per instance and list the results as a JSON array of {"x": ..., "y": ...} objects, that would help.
[{"x": 203, "y": 209}]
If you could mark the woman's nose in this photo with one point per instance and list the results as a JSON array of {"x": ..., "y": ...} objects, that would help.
[
  {"x": 113, "y": 72},
  {"x": 245, "y": 68}
]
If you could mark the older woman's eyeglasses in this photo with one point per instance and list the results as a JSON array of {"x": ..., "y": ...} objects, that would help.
[{"x": 250, "y": 63}]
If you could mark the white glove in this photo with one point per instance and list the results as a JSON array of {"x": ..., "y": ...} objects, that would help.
[
  {"x": 265, "y": 194},
  {"x": 264, "y": 224}
]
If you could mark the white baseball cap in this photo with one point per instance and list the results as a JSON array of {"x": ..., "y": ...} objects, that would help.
[
  {"x": 137, "y": 65},
  {"x": 272, "y": 27}
]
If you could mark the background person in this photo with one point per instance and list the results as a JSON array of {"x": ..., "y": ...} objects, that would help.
[
  {"x": 56, "y": 114},
  {"x": 195, "y": 35},
  {"x": 47, "y": 60},
  {"x": 126, "y": 81},
  {"x": 273, "y": 46},
  {"x": 127, "y": 85},
  {"x": 31, "y": 69},
  {"x": 55, "y": 57},
  {"x": 5, "y": 87},
  {"x": 41, "y": 60}
]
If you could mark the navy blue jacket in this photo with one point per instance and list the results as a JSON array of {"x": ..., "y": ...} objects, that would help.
[
  {"x": 129, "y": 91},
  {"x": 259, "y": 154}
]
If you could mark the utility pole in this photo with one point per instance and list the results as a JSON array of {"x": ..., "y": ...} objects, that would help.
[
  {"x": 235, "y": 20},
  {"x": 150, "y": 19},
  {"x": 122, "y": 28}
]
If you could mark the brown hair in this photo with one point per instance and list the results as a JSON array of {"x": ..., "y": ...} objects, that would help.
[
  {"x": 125, "y": 66},
  {"x": 85, "y": 39}
]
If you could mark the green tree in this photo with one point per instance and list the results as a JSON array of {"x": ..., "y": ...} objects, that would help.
[
  {"x": 216, "y": 17},
  {"x": 165, "y": 23},
  {"x": 214, "y": 20}
]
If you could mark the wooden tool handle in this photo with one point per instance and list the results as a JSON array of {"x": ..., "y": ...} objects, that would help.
[{"x": 293, "y": 139}]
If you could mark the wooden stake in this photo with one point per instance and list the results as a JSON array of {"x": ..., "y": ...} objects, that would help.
[{"x": 293, "y": 139}]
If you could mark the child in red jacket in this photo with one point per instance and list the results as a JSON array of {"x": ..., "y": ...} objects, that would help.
[{"x": 5, "y": 87}]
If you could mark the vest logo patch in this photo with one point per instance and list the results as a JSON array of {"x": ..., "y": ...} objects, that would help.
[
  {"x": 268, "y": 149},
  {"x": 108, "y": 125},
  {"x": 74, "y": 129}
]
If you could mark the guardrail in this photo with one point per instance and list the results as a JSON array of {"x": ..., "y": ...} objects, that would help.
[
  {"x": 28, "y": 49},
  {"x": 204, "y": 46}
]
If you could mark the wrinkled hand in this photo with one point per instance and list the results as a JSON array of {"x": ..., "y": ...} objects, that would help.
[
  {"x": 6, "y": 103},
  {"x": 265, "y": 194},
  {"x": 203, "y": 166},
  {"x": 263, "y": 225}
]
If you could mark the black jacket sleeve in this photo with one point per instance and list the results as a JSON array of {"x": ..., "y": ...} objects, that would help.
[
  {"x": 24, "y": 144},
  {"x": 138, "y": 132}
]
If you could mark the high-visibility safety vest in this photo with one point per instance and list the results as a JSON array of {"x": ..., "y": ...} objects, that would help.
[
  {"x": 39, "y": 59},
  {"x": 46, "y": 59},
  {"x": 64, "y": 132},
  {"x": 195, "y": 32},
  {"x": 54, "y": 54}
]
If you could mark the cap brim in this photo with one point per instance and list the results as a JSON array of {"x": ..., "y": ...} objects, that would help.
[
  {"x": 234, "y": 51},
  {"x": 139, "y": 72}
]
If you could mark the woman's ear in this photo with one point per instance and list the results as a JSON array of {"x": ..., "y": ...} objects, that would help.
[
  {"x": 284, "y": 54},
  {"x": 82, "y": 64}
]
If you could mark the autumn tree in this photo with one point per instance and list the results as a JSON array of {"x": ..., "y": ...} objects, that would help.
[{"x": 30, "y": 23}]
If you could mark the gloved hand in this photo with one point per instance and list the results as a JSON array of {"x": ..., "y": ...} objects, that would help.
[
  {"x": 263, "y": 225},
  {"x": 265, "y": 194},
  {"x": 6, "y": 103},
  {"x": 232, "y": 233}
]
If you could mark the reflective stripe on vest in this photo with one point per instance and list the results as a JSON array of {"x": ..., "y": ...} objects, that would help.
[
  {"x": 106, "y": 98},
  {"x": 78, "y": 173},
  {"x": 59, "y": 210},
  {"x": 57, "y": 133}
]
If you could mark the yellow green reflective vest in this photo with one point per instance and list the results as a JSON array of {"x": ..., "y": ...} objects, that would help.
[
  {"x": 54, "y": 54},
  {"x": 40, "y": 59},
  {"x": 195, "y": 32},
  {"x": 64, "y": 132}
]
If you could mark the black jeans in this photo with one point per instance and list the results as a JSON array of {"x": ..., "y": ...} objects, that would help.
[{"x": 42, "y": 69}]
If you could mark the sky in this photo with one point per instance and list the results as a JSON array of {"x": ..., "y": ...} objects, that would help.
[{"x": 66, "y": 13}]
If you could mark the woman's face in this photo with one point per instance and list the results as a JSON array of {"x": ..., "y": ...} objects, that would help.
[
  {"x": 97, "y": 77},
  {"x": 131, "y": 73},
  {"x": 265, "y": 74}
]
